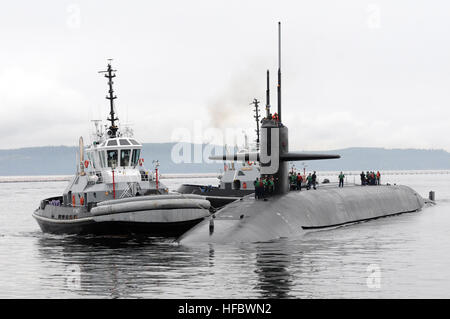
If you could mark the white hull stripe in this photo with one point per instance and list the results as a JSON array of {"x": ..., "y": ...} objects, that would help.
[{"x": 66, "y": 221}]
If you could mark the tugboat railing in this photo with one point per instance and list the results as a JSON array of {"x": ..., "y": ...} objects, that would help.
[{"x": 129, "y": 191}]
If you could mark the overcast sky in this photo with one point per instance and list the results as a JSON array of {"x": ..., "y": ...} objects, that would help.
[{"x": 355, "y": 73}]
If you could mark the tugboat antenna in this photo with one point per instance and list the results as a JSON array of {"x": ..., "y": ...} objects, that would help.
[
  {"x": 98, "y": 131},
  {"x": 279, "y": 71},
  {"x": 256, "y": 116},
  {"x": 111, "y": 97}
]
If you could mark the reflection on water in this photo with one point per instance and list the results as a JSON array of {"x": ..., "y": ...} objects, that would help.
[
  {"x": 272, "y": 267},
  {"x": 120, "y": 267},
  {"x": 129, "y": 267},
  {"x": 409, "y": 251}
]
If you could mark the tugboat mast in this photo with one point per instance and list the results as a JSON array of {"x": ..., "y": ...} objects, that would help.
[
  {"x": 256, "y": 116},
  {"x": 111, "y": 97}
]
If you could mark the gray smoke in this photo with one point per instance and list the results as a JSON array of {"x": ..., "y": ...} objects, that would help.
[{"x": 231, "y": 107}]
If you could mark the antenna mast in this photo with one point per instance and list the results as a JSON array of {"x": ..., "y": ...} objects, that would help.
[
  {"x": 268, "y": 116},
  {"x": 98, "y": 131},
  {"x": 111, "y": 97},
  {"x": 256, "y": 116},
  {"x": 279, "y": 71}
]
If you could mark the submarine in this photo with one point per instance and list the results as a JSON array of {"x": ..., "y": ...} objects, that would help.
[
  {"x": 112, "y": 192},
  {"x": 292, "y": 214}
]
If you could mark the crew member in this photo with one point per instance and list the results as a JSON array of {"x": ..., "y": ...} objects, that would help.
[
  {"x": 314, "y": 179},
  {"x": 265, "y": 186},
  {"x": 275, "y": 116},
  {"x": 299, "y": 181},
  {"x": 292, "y": 181},
  {"x": 257, "y": 188},
  {"x": 271, "y": 185},
  {"x": 309, "y": 179},
  {"x": 341, "y": 179}
]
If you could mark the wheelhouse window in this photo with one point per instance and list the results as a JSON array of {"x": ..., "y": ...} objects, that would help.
[
  {"x": 112, "y": 143},
  {"x": 134, "y": 142},
  {"x": 135, "y": 157},
  {"x": 125, "y": 157},
  {"x": 112, "y": 156},
  {"x": 102, "y": 159},
  {"x": 124, "y": 142},
  {"x": 95, "y": 160}
]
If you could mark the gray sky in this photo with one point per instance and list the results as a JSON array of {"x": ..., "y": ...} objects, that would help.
[{"x": 355, "y": 73}]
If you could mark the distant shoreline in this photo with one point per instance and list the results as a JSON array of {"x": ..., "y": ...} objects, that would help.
[
  {"x": 65, "y": 178},
  {"x": 61, "y": 161}
]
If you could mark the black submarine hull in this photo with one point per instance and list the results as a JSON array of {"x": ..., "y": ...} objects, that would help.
[{"x": 296, "y": 213}]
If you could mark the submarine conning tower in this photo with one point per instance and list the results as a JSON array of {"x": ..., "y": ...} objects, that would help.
[
  {"x": 275, "y": 137},
  {"x": 274, "y": 145}
]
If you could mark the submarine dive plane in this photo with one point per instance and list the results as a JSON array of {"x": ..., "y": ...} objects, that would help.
[
  {"x": 289, "y": 213},
  {"x": 113, "y": 193}
]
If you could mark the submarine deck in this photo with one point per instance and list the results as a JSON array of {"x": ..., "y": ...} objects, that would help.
[{"x": 294, "y": 213}]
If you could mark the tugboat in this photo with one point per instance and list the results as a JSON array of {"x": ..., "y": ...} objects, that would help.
[
  {"x": 236, "y": 181},
  {"x": 113, "y": 193}
]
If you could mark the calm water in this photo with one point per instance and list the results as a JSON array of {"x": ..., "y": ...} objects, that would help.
[{"x": 399, "y": 257}]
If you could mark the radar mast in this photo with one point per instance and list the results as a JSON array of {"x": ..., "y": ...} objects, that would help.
[
  {"x": 256, "y": 116},
  {"x": 110, "y": 74}
]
